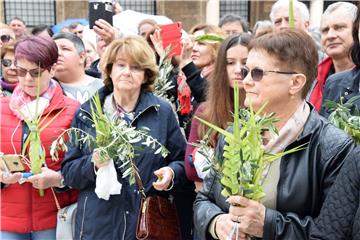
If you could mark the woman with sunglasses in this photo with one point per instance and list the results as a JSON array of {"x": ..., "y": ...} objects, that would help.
[
  {"x": 24, "y": 213},
  {"x": 9, "y": 79},
  {"x": 279, "y": 71},
  {"x": 6, "y": 34}
]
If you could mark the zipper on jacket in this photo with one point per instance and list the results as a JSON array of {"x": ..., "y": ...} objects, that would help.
[
  {"x": 83, "y": 218},
  {"x": 123, "y": 236}
]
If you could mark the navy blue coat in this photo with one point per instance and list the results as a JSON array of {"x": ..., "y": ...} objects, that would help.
[{"x": 116, "y": 218}]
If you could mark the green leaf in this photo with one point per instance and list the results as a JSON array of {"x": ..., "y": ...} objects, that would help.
[
  {"x": 291, "y": 15},
  {"x": 209, "y": 38}
]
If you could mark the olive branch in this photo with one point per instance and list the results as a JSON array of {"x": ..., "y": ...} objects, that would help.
[
  {"x": 345, "y": 116},
  {"x": 115, "y": 139}
]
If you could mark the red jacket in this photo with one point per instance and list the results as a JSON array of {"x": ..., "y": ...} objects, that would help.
[
  {"x": 22, "y": 209},
  {"x": 323, "y": 72}
]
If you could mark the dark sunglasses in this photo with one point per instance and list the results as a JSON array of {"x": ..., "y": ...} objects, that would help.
[
  {"x": 6, "y": 62},
  {"x": 5, "y": 38},
  {"x": 36, "y": 72},
  {"x": 257, "y": 73}
]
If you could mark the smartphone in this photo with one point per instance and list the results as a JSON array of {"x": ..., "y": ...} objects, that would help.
[
  {"x": 11, "y": 163},
  {"x": 100, "y": 9},
  {"x": 171, "y": 35}
]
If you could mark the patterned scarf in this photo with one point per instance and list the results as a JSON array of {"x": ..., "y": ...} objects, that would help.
[{"x": 24, "y": 107}]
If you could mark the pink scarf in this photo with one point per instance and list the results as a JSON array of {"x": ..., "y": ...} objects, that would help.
[{"x": 23, "y": 106}]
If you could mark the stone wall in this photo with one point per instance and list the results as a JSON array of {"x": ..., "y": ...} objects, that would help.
[
  {"x": 189, "y": 13},
  {"x": 71, "y": 9}
]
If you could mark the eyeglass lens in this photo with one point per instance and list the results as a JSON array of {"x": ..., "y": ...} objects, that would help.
[
  {"x": 5, "y": 38},
  {"x": 256, "y": 73},
  {"x": 6, "y": 62},
  {"x": 21, "y": 72}
]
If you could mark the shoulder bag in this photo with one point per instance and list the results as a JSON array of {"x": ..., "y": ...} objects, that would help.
[
  {"x": 65, "y": 220},
  {"x": 157, "y": 218}
]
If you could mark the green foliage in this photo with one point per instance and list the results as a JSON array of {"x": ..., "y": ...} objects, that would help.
[
  {"x": 203, "y": 148},
  {"x": 345, "y": 116},
  {"x": 162, "y": 83},
  {"x": 211, "y": 38},
  {"x": 244, "y": 156},
  {"x": 291, "y": 15},
  {"x": 115, "y": 139}
]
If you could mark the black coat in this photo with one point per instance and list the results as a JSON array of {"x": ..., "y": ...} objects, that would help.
[
  {"x": 339, "y": 218},
  {"x": 344, "y": 84},
  {"x": 305, "y": 179},
  {"x": 116, "y": 218},
  {"x": 196, "y": 82}
]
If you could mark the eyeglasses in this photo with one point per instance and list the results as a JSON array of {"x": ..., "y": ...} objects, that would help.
[
  {"x": 36, "y": 72},
  {"x": 257, "y": 73},
  {"x": 6, "y": 62},
  {"x": 5, "y": 38},
  {"x": 133, "y": 68}
]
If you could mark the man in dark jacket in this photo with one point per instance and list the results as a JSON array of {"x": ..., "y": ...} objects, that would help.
[
  {"x": 336, "y": 40},
  {"x": 345, "y": 84}
]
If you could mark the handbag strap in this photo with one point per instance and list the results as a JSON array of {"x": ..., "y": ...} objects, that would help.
[
  {"x": 140, "y": 184},
  {"x": 56, "y": 200}
]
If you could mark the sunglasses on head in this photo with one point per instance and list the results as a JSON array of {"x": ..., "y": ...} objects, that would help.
[
  {"x": 36, "y": 72},
  {"x": 257, "y": 73},
  {"x": 6, "y": 62},
  {"x": 5, "y": 38}
]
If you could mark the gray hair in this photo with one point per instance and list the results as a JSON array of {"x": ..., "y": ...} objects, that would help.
[
  {"x": 262, "y": 24},
  {"x": 229, "y": 18},
  {"x": 78, "y": 43},
  {"x": 349, "y": 7},
  {"x": 301, "y": 7}
]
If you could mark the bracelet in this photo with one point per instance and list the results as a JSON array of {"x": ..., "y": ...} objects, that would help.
[{"x": 172, "y": 180}]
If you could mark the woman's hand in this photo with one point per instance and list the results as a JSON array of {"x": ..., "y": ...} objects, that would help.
[
  {"x": 224, "y": 226},
  {"x": 249, "y": 214},
  {"x": 156, "y": 40},
  {"x": 106, "y": 32},
  {"x": 165, "y": 178},
  {"x": 98, "y": 161},
  {"x": 186, "y": 50},
  {"x": 9, "y": 178},
  {"x": 46, "y": 179}
]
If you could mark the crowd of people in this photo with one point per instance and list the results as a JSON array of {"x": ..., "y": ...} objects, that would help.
[{"x": 48, "y": 80}]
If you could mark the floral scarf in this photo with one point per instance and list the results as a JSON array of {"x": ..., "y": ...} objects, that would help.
[{"x": 24, "y": 107}]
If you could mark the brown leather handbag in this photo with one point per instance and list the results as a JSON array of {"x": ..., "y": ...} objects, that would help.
[{"x": 157, "y": 217}]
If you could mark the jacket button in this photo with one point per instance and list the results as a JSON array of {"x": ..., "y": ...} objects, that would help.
[
  {"x": 346, "y": 93},
  {"x": 84, "y": 117},
  {"x": 127, "y": 212}
]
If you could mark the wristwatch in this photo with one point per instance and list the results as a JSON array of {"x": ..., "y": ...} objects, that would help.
[{"x": 62, "y": 184}]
